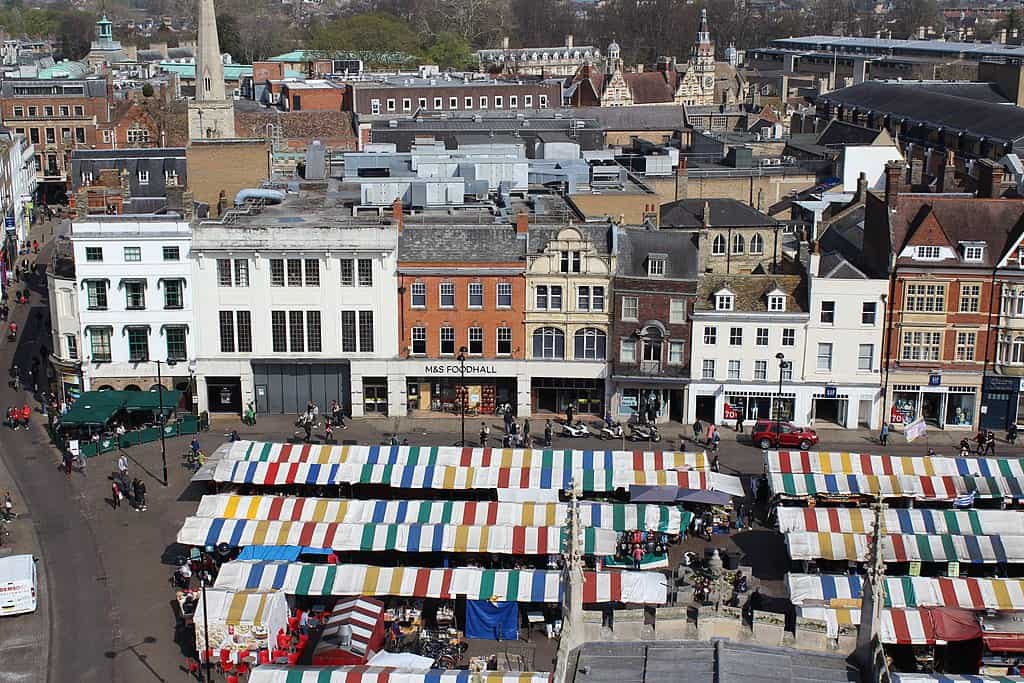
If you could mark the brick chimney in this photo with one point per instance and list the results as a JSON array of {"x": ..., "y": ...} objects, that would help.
[
  {"x": 109, "y": 178},
  {"x": 990, "y": 179},
  {"x": 948, "y": 177},
  {"x": 894, "y": 181},
  {"x": 862, "y": 188},
  {"x": 397, "y": 216},
  {"x": 180, "y": 201},
  {"x": 522, "y": 224}
]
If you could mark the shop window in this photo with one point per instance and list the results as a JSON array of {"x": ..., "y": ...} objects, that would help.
[
  {"x": 419, "y": 341},
  {"x": 476, "y": 341},
  {"x": 959, "y": 408},
  {"x": 548, "y": 342},
  {"x": 447, "y": 341},
  {"x": 504, "y": 337},
  {"x": 590, "y": 344}
]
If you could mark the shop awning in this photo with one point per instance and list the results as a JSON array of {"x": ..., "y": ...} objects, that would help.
[
  {"x": 455, "y": 477},
  {"x": 907, "y": 548},
  {"x": 615, "y": 516},
  {"x": 893, "y": 486},
  {"x": 922, "y": 626},
  {"x": 902, "y": 521},
  {"x": 825, "y": 462},
  {"x": 1004, "y": 642},
  {"x": 514, "y": 585},
  {"x": 97, "y": 407},
  {"x": 451, "y": 456},
  {"x": 271, "y": 673},
  {"x": 411, "y": 538},
  {"x": 909, "y": 591}
]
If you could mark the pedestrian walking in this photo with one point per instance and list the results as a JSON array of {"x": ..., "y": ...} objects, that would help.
[
  {"x": 638, "y": 555},
  {"x": 714, "y": 462},
  {"x": 307, "y": 428},
  {"x": 883, "y": 435},
  {"x": 68, "y": 459},
  {"x": 569, "y": 414},
  {"x": 508, "y": 419},
  {"x": 115, "y": 495},
  {"x": 739, "y": 423},
  {"x": 139, "y": 488},
  {"x": 547, "y": 433},
  {"x": 250, "y": 414},
  {"x": 484, "y": 432},
  {"x": 526, "y": 432},
  {"x": 990, "y": 444}
]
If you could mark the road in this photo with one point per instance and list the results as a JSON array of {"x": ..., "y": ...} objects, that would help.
[{"x": 75, "y": 608}]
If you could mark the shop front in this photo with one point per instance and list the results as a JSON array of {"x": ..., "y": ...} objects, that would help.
[
  {"x": 953, "y": 406},
  {"x": 481, "y": 395},
  {"x": 724, "y": 404},
  {"x": 665, "y": 398},
  {"x": 1001, "y": 403},
  {"x": 557, "y": 394}
]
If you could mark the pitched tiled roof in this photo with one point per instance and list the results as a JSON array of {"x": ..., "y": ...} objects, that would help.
[
  {"x": 996, "y": 222},
  {"x": 689, "y": 213},
  {"x": 649, "y": 87},
  {"x": 636, "y": 244},
  {"x": 750, "y": 291},
  {"x": 461, "y": 244},
  {"x": 332, "y": 126}
]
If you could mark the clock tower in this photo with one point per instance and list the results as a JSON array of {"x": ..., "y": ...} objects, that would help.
[{"x": 702, "y": 58}]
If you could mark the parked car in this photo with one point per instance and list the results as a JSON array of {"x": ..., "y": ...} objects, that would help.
[{"x": 771, "y": 434}]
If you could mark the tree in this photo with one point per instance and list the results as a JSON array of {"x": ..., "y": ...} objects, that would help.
[
  {"x": 450, "y": 51},
  {"x": 370, "y": 32},
  {"x": 911, "y": 14},
  {"x": 147, "y": 90},
  {"x": 75, "y": 31},
  {"x": 229, "y": 37},
  {"x": 541, "y": 23}
]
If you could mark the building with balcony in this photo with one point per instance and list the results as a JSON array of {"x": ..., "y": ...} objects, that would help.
[
  {"x": 654, "y": 288},
  {"x": 569, "y": 272},
  {"x": 537, "y": 61}
]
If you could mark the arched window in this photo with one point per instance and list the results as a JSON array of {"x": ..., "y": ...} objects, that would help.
[
  {"x": 757, "y": 244},
  {"x": 590, "y": 344},
  {"x": 548, "y": 342},
  {"x": 652, "y": 339},
  {"x": 718, "y": 246},
  {"x": 737, "y": 244},
  {"x": 1017, "y": 352}
]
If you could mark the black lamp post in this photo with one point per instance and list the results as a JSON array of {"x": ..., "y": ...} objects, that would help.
[
  {"x": 206, "y": 622},
  {"x": 462, "y": 375},
  {"x": 778, "y": 407},
  {"x": 160, "y": 394}
]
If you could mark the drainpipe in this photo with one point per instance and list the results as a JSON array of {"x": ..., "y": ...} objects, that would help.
[{"x": 988, "y": 335}]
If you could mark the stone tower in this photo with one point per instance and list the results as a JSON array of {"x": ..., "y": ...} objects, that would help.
[
  {"x": 702, "y": 56},
  {"x": 211, "y": 114}
]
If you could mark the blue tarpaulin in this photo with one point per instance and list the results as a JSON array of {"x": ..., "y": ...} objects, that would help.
[
  {"x": 271, "y": 553},
  {"x": 492, "y": 620}
]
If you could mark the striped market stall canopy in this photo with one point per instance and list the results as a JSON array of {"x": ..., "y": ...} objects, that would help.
[
  {"x": 454, "y": 456},
  {"x": 513, "y": 585},
  {"x": 909, "y": 591},
  {"x": 907, "y": 548},
  {"x": 821, "y": 462},
  {"x": 953, "y": 678},
  {"x": 894, "y": 486},
  {"x": 409, "y": 538},
  {"x": 902, "y": 521},
  {"x": 898, "y": 626},
  {"x": 671, "y": 519},
  {"x": 360, "y": 617},
  {"x": 240, "y": 622},
  {"x": 450, "y": 477},
  {"x": 385, "y": 674}
]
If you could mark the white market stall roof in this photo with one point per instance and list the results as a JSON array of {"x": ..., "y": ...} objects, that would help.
[
  {"x": 512, "y": 585},
  {"x": 826, "y": 462},
  {"x": 373, "y": 674},
  {"x": 947, "y": 487},
  {"x": 906, "y": 547},
  {"x": 902, "y": 521},
  {"x": 909, "y": 591}
]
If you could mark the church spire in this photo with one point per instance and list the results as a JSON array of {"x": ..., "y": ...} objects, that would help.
[
  {"x": 209, "y": 67},
  {"x": 703, "y": 34}
]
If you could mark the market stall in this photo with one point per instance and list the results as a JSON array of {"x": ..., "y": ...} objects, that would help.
[
  {"x": 671, "y": 519},
  {"x": 902, "y": 521},
  {"x": 241, "y": 623},
  {"x": 351, "y": 633},
  {"x": 823, "y": 462},
  {"x": 513, "y": 585},
  {"x": 895, "y": 486},
  {"x": 456, "y": 456},
  {"x": 907, "y": 547},
  {"x": 412, "y": 538},
  {"x": 350, "y": 674},
  {"x": 919, "y": 626}
]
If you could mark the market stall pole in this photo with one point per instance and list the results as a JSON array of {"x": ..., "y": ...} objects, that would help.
[
  {"x": 206, "y": 621},
  {"x": 778, "y": 406},
  {"x": 162, "y": 418},
  {"x": 869, "y": 646},
  {"x": 465, "y": 395},
  {"x": 572, "y": 580}
]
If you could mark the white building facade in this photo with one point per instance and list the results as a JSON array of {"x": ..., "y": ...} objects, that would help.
[
  {"x": 293, "y": 314},
  {"x": 135, "y": 301}
]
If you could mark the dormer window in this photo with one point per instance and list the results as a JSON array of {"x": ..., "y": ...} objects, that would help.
[
  {"x": 776, "y": 302},
  {"x": 928, "y": 253},
  {"x": 973, "y": 252},
  {"x": 656, "y": 265},
  {"x": 724, "y": 300}
]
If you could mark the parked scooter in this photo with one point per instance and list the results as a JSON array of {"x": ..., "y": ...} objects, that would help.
[
  {"x": 641, "y": 432},
  {"x": 612, "y": 431},
  {"x": 575, "y": 430}
]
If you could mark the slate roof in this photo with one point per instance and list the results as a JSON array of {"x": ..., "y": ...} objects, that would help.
[
  {"x": 925, "y": 103},
  {"x": 689, "y": 213},
  {"x": 750, "y": 291},
  {"x": 461, "y": 244},
  {"x": 842, "y": 133},
  {"x": 156, "y": 161},
  {"x": 635, "y": 244},
  {"x": 654, "y": 117},
  {"x": 996, "y": 222},
  {"x": 600, "y": 234},
  {"x": 717, "y": 661}
]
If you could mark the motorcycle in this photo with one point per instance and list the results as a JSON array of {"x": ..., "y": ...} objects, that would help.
[
  {"x": 612, "y": 431},
  {"x": 12, "y": 332},
  {"x": 644, "y": 433},
  {"x": 575, "y": 430}
]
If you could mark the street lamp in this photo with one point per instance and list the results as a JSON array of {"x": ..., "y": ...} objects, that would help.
[
  {"x": 160, "y": 394},
  {"x": 206, "y": 619},
  {"x": 462, "y": 374},
  {"x": 778, "y": 407}
]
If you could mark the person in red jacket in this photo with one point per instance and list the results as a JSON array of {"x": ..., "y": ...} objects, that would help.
[{"x": 26, "y": 415}]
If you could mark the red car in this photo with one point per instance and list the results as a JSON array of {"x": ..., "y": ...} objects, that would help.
[{"x": 771, "y": 434}]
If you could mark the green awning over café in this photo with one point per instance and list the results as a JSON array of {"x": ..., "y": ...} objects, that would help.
[{"x": 97, "y": 407}]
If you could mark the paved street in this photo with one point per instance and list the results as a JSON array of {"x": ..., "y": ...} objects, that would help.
[{"x": 105, "y": 604}]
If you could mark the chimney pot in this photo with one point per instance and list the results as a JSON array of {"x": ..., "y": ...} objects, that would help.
[
  {"x": 522, "y": 224},
  {"x": 397, "y": 215}
]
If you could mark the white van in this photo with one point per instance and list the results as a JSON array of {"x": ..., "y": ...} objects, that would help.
[{"x": 17, "y": 584}]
